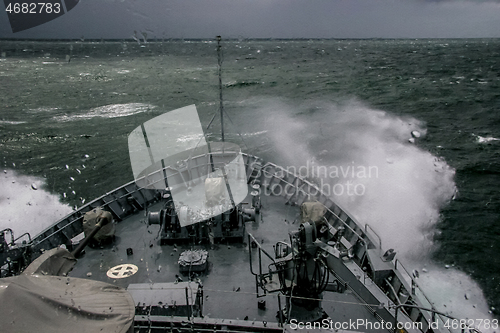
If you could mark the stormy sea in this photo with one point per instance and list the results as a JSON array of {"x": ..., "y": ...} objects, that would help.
[{"x": 404, "y": 134}]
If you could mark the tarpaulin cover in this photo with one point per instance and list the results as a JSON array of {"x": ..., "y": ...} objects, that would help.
[
  {"x": 90, "y": 219},
  {"x": 56, "y": 261},
  {"x": 312, "y": 211},
  {"x": 36, "y": 303}
]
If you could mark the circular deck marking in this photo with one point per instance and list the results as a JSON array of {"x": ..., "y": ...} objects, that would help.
[{"x": 122, "y": 271}]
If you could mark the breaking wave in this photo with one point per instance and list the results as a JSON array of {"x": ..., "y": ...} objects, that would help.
[
  {"x": 25, "y": 206},
  {"x": 401, "y": 201},
  {"x": 484, "y": 139},
  {"x": 11, "y": 122},
  {"x": 109, "y": 111}
]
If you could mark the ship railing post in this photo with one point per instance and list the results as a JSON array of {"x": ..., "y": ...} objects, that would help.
[
  {"x": 396, "y": 318},
  {"x": 367, "y": 226},
  {"x": 187, "y": 303},
  {"x": 280, "y": 312},
  {"x": 260, "y": 262}
]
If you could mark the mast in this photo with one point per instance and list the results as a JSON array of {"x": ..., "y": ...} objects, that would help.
[{"x": 221, "y": 107}]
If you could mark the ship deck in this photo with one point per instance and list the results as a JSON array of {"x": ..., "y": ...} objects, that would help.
[{"x": 229, "y": 288}]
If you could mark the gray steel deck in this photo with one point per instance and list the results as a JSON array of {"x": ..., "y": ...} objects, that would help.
[{"x": 228, "y": 286}]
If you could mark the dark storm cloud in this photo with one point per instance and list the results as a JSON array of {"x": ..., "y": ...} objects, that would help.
[{"x": 272, "y": 18}]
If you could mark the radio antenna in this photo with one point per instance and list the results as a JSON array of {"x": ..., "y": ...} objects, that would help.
[{"x": 219, "y": 58}]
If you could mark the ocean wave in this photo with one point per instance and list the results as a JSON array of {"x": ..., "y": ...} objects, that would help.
[
  {"x": 255, "y": 133},
  {"x": 23, "y": 199},
  {"x": 187, "y": 138},
  {"x": 42, "y": 109},
  {"x": 11, "y": 122},
  {"x": 482, "y": 139},
  {"x": 239, "y": 84},
  {"x": 109, "y": 111}
]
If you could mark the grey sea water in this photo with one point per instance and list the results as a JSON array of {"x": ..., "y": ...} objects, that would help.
[{"x": 423, "y": 113}]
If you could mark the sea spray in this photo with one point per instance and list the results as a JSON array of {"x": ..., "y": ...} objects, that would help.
[
  {"x": 25, "y": 209},
  {"x": 344, "y": 147},
  {"x": 401, "y": 201}
]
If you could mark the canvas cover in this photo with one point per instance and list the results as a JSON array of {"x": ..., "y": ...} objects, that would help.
[
  {"x": 91, "y": 218},
  {"x": 56, "y": 261},
  {"x": 312, "y": 211},
  {"x": 53, "y": 304}
]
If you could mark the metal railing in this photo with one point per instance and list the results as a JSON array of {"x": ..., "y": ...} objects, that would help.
[{"x": 306, "y": 194}]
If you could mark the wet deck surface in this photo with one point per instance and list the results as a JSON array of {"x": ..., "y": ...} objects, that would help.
[{"x": 228, "y": 286}]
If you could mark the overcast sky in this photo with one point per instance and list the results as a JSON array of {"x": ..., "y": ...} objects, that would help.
[{"x": 271, "y": 19}]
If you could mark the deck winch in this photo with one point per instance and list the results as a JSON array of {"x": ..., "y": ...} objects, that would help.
[
  {"x": 193, "y": 261},
  {"x": 228, "y": 226}
]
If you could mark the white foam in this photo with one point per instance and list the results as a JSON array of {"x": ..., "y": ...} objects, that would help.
[
  {"x": 42, "y": 109},
  {"x": 25, "y": 209},
  {"x": 188, "y": 138},
  {"x": 454, "y": 293},
  {"x": 11, "y": 122},
  {"x": 255, "y": 133},
  {"x": 481, "y": 139},
  {"x": 401, "y": 203},
  {"x": 109, "y": 111}
]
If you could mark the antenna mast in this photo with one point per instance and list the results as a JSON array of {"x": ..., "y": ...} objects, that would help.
[{"x": 219, "y": 58}]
